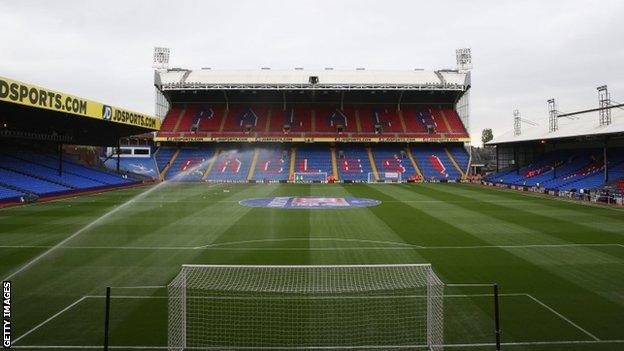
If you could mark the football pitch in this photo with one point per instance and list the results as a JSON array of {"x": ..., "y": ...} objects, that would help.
[{"x": 559, "y": 265}]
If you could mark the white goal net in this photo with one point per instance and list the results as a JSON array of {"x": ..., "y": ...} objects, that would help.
[
  {"x": 309, "y": 177},
  {"x": 306, "y": 307},
  {"x": 385, "y": 177}
]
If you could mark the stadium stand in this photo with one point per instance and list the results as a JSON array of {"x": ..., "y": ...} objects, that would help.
[
  {"x": 273, "y": 161},
  {"x": 28, "y": 184},
  {"x": 313, "y": 159},
  {"x": 414, "y": 119},
  {"x": 208, "y": 118},
  {"x": 7, "y": 194},
  {"x": 231, "y": 165},
  {"x": 29, "y": 172},
  {"x": 190, "y": 165},
  {"x": 301, "y": 125},
  {"x": 323, "y": 120},
  {"x": 565, "y": 170},
  {"x": 186, "y": 120},
  {"x": 393, "y": 158},
  {"x": 434, "y": 163},
  {"x": 384, "y": 116},
  {"x": 353, "y": 162},
  {"x": 273, "y": 164},
  {"x": 171, "y": 119},
  {"x": 455, "y": 123},
  {"x": 70, "y": 169},
  {"x": 460, "y": 155},
  {"x": 35, "y": 170},
  {"x": 163, "y": 156}
]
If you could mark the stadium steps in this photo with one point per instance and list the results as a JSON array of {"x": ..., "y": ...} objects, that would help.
[
  {"x": 211, "y": 163},
  {"x": 293, "y": 158},
  {"x": 358, "y": 125},
  {"x": 371, "y": 159},
  {"x": 269, "y": 115},
  {"x": 254, "y": 162},
  {"x": 414, "y": 163},
  {"x": 223, "y": 119},
  {"x": 180, "y": 118},
  {"x": 402, "y": 120},
  {"x": 169, "y": 164},
  {"x": 454, "y": 162},
  {"x": 445, "y": 121},
  {"x": 334, "y": 162},
  {"x": 38, "y": 176}
]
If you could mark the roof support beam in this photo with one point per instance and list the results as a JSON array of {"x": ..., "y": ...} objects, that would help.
[{"x": 590, "y": 110}]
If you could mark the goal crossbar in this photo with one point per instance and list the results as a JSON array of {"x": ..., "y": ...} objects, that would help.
[{"x": 308, "y": 266}]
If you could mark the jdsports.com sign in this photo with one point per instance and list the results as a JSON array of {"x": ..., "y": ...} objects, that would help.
[
  {"x": 34, "y": 96},
  {"x": 38, "y": 97}
]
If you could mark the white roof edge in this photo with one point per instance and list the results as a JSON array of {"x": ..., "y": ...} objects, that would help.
[
  {"x": 177, "y": 78},
  {"x": 567, "y": 129}
]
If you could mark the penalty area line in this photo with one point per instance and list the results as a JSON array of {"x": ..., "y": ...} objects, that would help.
[
  {"x": 49, "y": 319},
  {"x": 563, "y": 317},
  {"x": 539, "y": 302},
  {"x": 455, "y": 346}
]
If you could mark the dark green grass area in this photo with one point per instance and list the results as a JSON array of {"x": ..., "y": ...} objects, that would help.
[{"x": 560, "y": 265}]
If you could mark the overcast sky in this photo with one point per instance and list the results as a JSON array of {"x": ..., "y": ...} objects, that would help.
[{"x": 524, "y": 52}]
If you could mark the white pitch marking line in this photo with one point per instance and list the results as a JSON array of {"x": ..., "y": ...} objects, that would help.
[
  {"x": 51, "y": 318},
  {"x": 563, "y": 317},
  {"x": 399, "y": 246},
  {"x": 341, "y": 297},
  {"x": 86, "y": 227},
  {"x": 596, "y": 340},
  {"x": 309, "y": 239},
  {"x": 467, "y": 345},
  {"x": 81, "y": 347},
  {"x": 394, "y": 297},
  {"x": 140, "y": 287}
]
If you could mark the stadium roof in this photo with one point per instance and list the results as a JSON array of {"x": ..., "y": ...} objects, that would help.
[
  {"x": 31, "y": 112},
  {"x": 584, "y": 125},
  {"x": 360, "y": 79}
]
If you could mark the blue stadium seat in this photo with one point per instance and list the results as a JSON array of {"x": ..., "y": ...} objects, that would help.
[
  {"x": 190, "y": 164},
  {"x": 434, "y": 163},
  {"x": 393, "y": 158},
  {"x": 273, "y": 164},
  {"x": 313, "y": 159},
  {"x": 232, "y": 165},
  {"x": 9, "y": 194},
  {"x": 353, "y": 162}
]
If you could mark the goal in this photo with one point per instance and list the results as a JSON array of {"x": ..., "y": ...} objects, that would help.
[
  {"x": 310, "y": 177},
  {"x": 386, "y": 177},
  {"x": 305, "y": 307}
]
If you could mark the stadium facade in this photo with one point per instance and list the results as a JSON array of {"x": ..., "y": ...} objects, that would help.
[{"x": 312, "y": 125}]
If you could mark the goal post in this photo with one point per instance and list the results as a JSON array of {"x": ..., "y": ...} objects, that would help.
[
  {"x": 305, "y": 307},
  {"x": 310, "y": 177},
  {"x": 385, "y": 177}
]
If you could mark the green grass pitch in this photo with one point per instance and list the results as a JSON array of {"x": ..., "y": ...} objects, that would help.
[{"x": 560, "y": 265}]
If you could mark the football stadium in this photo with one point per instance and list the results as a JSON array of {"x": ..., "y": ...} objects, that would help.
[{"x": 306, "y": 209}]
